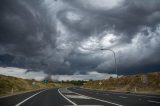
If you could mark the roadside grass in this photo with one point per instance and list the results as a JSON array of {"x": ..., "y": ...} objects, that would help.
[
  {"x": 10, "y": 85},
  {"x": 141, "y": 83}
]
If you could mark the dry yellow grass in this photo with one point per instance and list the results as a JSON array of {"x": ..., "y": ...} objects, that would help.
[
  {"x": 9, "y": 84},
  {"x": 149, "y": 82}
]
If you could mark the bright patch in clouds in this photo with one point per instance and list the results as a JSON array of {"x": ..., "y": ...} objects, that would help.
[
  {"x": 101, "y": 4},
  {"x": 72, "y": 16},
  {"x": 22, "y": 73},
  {"x": 109, "y": 40},
  {"x": 90, "y": 75}
]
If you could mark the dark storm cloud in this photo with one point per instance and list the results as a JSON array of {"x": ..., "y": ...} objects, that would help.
[
  {"x": 24, "y": 26},
  {"x": 127, "y": 18},
  {"x": 83, "y": 63},
  {"x": 47, "y": 35},
  {"x": 26, "y": 30}
]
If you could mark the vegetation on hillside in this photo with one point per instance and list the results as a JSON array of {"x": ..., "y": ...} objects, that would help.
[
  {"x": 74, "y": 82},
  {"x": 9, "y": 85},
  {"x": 134, "y": 83}
]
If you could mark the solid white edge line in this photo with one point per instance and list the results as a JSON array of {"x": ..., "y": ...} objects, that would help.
[
  {"x": 16, "y": 94},
  {"x": 153, "y": 101},
  {"x": 99, "y": 99},
  {"x": 29, "y": 98},
  {"x": 67, "y": 98}
]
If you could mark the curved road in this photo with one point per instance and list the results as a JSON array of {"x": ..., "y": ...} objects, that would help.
[{"x": 78, "y": 96}]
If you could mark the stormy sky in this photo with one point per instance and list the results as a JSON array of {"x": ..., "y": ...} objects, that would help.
[{"x": 64, "y": 37}]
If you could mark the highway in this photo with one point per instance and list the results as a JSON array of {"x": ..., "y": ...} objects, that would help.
[{"x": 79, "y": 96}]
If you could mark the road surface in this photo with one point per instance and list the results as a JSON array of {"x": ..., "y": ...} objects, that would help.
[{"x": 78, "y": 96}]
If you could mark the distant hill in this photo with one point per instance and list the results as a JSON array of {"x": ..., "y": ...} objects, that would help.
[
  {"x": 144, "y": 83},
  {"x": 11, "y": 85}
]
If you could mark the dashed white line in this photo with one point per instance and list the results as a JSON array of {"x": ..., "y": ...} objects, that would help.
[
  {"x": 67, "y": 98},
  {"x": 29, "y": 98},
  {"x": 153, "y": 101},
  {"x": 77, "y": 96}
]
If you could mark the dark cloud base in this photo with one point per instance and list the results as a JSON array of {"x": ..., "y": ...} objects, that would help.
[{"x": 29, "y": 35}]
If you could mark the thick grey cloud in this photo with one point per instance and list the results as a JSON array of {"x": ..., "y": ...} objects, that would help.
[
  {"x": 26, "y": 30},
  {"x": 56, "y": 36},
  {"x": 23, "y": 24},
  {"x": 126, "y": 18}
]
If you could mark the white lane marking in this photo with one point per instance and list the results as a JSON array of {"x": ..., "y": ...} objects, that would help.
[
  {"x": 99, "y": 99},
  {"x": 29, "y": 98},
  {"x": 64, "y": 90},
  {"x": 67, "y": 98},
  {"x": 129, "y": 94},
  {"x": 77, "y": 96},
  {"x": 153, "y": 101},
  {"x": 122, "y": 97},
  {"x": 16, "y": 94}
]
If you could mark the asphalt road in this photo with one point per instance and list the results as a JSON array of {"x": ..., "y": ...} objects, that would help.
[
  {"x": 125, "y": 99},
  {"x": 49, "y": 97},
  {"x": 78, "y": 96}
]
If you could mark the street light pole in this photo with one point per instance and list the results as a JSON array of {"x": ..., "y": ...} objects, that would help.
[{"x": 114, "y": 54}]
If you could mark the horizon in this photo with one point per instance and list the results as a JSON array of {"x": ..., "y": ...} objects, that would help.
[{"x": 65, "y": 38}]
